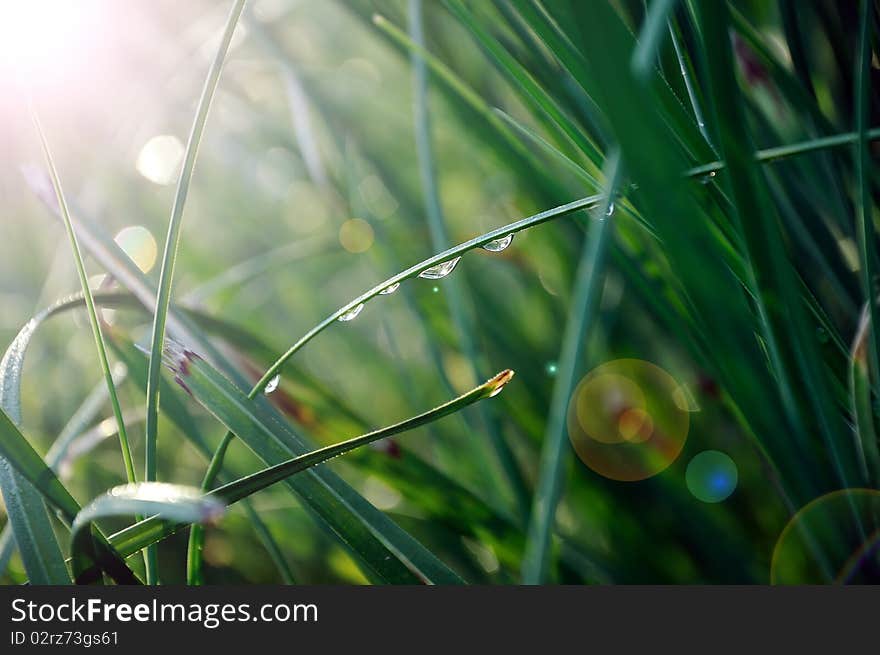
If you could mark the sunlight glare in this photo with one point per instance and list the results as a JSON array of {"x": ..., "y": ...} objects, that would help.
[{"x": 39, "y": 37}]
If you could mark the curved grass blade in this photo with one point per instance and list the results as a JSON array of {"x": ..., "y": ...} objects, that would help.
[
  {"x": 10, "y": 390},
  {"x": 867, "y": 444},
  {"x": 687, "y": 78},
  {"x": 200, "y": 380},
  {"x": 243, "y": 488},
  {"x": 167, "y": 501},
  {"x": 169, "y": 256},
  {"x": 29, "y": 524},
  {"x": 588, "y": 285}
]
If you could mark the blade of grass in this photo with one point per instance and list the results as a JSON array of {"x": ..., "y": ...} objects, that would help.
[
  {"x": 526, "y": 223},
  {"x": 203, "y": 382},
  {"x": 684, "y": 68},
  {"x": 169, "y": 256},
  {"x": 155, "y": 499},
  {"x": 29, "y": 520},
  {"x": 587, "y": 288},
  {"x": 89, "y": 302}
]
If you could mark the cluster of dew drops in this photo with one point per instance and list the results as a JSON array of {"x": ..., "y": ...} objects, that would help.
[{"x": 437, "y": 272}]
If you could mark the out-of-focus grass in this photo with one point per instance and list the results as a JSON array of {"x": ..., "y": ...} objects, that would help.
[{"x": 745, "y": 283}]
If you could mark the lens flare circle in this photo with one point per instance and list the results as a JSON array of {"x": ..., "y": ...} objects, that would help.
[
  {"x": 711, "y": 476},
  {"x": 833, "y": 539},
  {"x": 624, "y": 422},
  {"x": 138, "y": 243}
]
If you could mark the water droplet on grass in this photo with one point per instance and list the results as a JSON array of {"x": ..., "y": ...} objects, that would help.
[
  {"x": 440, "y": 270},
  {"x": 391, "y": 288},
  {"x": 610, "y": 209},
  {"x": 499, "y": 244},
  {"x": 551, "y": 369},
  {"x": 352, "y": 313},
  {"x": 705, "y": 179},
  {"x": 272, "y": 384}
]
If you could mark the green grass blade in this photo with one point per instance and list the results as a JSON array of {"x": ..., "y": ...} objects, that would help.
[
  {"x": 29, "y": 521},
  {"x": 687, "y": 78},
  {"x": 415, "y": 270},
  {"x": 240, "y": 489},
  {"x": 169, "y": 256},
  {"x": 89, "y": 302},
  {"x": 166, "y": 501},
  {"x": 199, "y": 382},
  {"x": 587, "y": 287}
]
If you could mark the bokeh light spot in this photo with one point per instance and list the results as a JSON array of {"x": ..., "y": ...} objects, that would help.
[
  {"x": 159, "y": 159},
  {"x": 711, "y": 476},
  {"x": 356, "y": 235},
  {"x": 623, "y": 421},
  {"x": 138, "y": 243},
  {"x": 833, "y": 539}
]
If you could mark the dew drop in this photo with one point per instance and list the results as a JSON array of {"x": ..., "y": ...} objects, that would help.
[
  {"x": 272, "y": 384},
  {"x": 705, "y": 179},
  {"x": 391, "y": 288},
  {"x": 352, "y": 313},
  {"x": 440, "y": 270},
  {"x": 436, "y": 289},
  {"x": 551, "y": 369},
  {"x": 499, "y": 244},
  {"x": 610, "y": 209}
]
